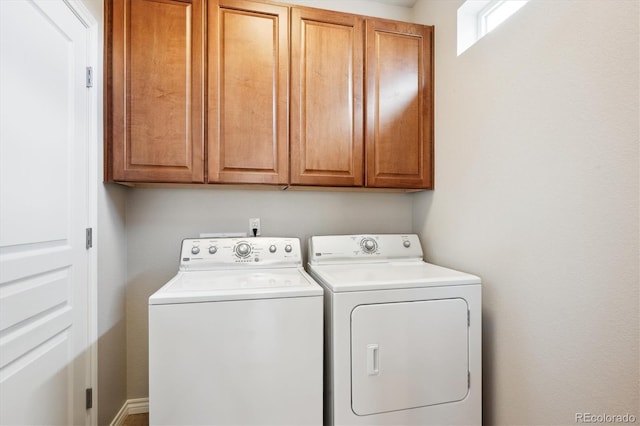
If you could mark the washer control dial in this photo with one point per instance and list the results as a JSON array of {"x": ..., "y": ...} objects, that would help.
[
  {"x": 272, "y": 248},
  {"x": 369, "y": 245},
  {"x": 288, "y": 248},
  {"x": 243, "y": 250},
  {"x": 213, "y": 250},
  {"x": 406, "y": 243},
  {"x": 195, "y": 250}
]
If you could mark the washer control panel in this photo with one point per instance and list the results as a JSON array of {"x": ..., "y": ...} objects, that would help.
[
  {"x": 214, "y": 253},
  {"x": 350, "y": 248}
]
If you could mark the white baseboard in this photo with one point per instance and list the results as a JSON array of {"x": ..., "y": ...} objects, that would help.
[{"x": 131, "y": 406}]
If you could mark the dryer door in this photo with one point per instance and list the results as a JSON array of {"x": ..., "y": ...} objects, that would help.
[{"x": 408, "y": 355}]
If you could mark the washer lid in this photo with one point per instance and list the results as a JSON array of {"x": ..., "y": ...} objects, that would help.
[
  {"x": 212, "y": 286},
  {"x": 388, "y": 275}
]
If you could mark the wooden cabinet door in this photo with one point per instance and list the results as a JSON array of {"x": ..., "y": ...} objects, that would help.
[
  {"x": 399, "y": 105},
  {"x": 326, "y": 98},
  {"x": 248, "y": 70},
  {"x": 156, "y": 89}
]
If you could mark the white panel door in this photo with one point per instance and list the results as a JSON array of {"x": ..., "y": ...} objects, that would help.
[
  {"x": 408, "y": 355},
  {"x": 44, "y": 132}
]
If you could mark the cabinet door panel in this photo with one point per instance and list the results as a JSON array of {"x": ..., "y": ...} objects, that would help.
[
  {"x": 399, "y": 118},
  {"x": 157, "y": 91},
  {"x": 248, "y": 77},
  {"x": 326, "y": 98}
]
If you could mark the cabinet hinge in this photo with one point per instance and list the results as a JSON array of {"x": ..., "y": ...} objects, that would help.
[
  {"x": 89, "y": 76},
  {"x": 89, "y": 398},
  {"x": 89, "y": 238}
]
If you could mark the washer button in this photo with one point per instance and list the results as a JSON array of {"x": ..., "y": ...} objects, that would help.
[
  {"x": 243, "y": 250},
  {"x": 368, "y": 245}
]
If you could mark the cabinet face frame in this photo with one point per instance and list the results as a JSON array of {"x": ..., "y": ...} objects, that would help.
[
  {"x": 331, "y": 153},
  {"x": 414, "y": 126},
  {"x": 369, "y": 166},
  {"x": 236, "y": 108},
  {"x": 131, "y": 130}
]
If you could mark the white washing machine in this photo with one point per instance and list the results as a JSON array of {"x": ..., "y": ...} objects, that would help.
[
  {"x": 402, "y": 337},
  {"x": 235, "y": 338}
]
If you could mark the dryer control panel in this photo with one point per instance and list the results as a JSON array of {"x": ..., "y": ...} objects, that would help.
[
  {"x": 366, "y": 248},
  {"x": 226, "y": 253}
]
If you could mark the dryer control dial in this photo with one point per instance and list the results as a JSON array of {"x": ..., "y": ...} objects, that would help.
[
  {"x": 243, "y": 250},
  {"x": 369, "y": 245}
]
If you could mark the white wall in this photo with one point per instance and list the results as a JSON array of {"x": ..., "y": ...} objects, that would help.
[
  {"x": 112, "y": 281},
  {"x": 158, "y": 220},
  {"x": 537, "y": 192},
  {"x": 360, "y": 7}
]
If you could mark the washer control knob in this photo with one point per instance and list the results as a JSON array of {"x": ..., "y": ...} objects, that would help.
[
  {"x": 195, "y": 250},
  {"x": 406, "y": 243},
  {"x": 272, "y": 248},
  {"x": 288, "y": 248},
  {"x": 369, "y": 245},
  {"x": 243, "y": 250},
  {"x": 213, "y": 250}
]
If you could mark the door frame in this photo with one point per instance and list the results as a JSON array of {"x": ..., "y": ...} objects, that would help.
[{"x": 95, "y": 132}]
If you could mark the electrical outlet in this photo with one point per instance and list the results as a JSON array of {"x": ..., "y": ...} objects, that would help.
[{"x": 254, "y": 223}]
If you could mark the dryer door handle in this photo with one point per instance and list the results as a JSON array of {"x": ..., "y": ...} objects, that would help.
[{"x": 373, "y": 360}]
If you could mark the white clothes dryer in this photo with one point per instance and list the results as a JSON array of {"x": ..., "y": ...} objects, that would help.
[
  {"x": 402, "y": 336},
  {"x": 235, "y": 338}
]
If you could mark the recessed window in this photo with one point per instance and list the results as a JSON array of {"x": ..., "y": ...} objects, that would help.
[{"x": 476, "y": 18}]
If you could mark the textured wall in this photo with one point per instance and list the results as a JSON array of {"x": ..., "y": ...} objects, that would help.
[
  {"x": 537, "y": 192},
  {"x": 112, "y": 280},
  {"x": 361, "y": 7}
]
